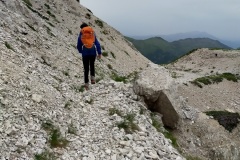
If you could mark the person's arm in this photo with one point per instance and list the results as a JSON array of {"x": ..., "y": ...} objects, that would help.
[
  {"x": 79, "y": 44},
  {"x": 98, "y": 46}
]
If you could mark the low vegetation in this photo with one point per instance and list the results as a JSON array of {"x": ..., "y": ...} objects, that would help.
[
  {"x": 227, "y": 119},
  {"x": 128, "y": 124},
  {"x": 9, "y": 46},
  {"x": 46, "y": 155},
  {"x": 99, "y": 23},
  {"x": 215, "y": 79},
  {"x": 167, "y": 133},
  {"x": 27, "y": 2},
  {"x": 105, "y": 54},
  {"x": 113, "y": 111},
  {"x": 118, "y": 78}
]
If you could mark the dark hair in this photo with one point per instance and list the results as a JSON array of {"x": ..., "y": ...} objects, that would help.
[{"x": 83, "y": 25}]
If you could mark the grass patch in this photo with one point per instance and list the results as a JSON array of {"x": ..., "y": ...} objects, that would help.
[
  {"x": 113, "y": 111},
  {"x": 192, "y": 158},
  {"x": 46, "y": 155},
  {"x": 56, "y": 140},
  {"x": 113, "y": 55},
  {"x": 99, "y": 23},
  {"x": 105, "y": 54},
  {"x": 215, "y": 79},
  {"x": 118, "y": 78},
  {"x": 29, "y": 5},
  {"x": 68, "y": 104},
  {"x": 170, "y": 136},
  {"x": 27, "y": 2},
  {"x": 227, "y": 119},
  {"x": 77, "y": 88},
  {"x": 127, "y": 124},
  {"x": 9, "y": 46},
  {"x": 156, "y": 124}
]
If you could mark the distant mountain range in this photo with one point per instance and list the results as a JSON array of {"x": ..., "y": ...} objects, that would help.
[
  {"x": 160, "y": 51},
  {"x": 196, "y": 34}
]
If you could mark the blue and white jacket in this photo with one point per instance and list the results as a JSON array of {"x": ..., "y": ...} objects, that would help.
[{"x": 86, "y": 51}]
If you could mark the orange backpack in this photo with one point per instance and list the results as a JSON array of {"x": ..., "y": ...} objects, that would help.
[{"x": 87, "y": 37}]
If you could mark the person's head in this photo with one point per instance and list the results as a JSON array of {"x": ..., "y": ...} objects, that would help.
[{"x": 83, "y": 25}]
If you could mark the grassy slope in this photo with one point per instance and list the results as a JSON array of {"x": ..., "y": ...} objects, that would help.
[{"x": 161, "y": 51}]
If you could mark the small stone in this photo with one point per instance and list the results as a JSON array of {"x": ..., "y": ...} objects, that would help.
[{"x": 37, "y": 98}]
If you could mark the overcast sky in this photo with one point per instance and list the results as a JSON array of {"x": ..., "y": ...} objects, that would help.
[{"x": 220, "y": 18}]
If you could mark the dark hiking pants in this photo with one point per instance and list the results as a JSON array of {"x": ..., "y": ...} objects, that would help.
[{"x": 88, "y": 61}]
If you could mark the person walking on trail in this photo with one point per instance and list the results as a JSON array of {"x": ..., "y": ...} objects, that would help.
[{"x": 88, "y": 45}]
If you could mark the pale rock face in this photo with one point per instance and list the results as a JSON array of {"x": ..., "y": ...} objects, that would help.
[{"x": 154, "y": 84}]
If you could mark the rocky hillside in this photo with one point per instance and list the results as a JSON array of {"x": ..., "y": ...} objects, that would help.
[
  {"x": 44, "y": 111},
  {"x": 217, "y": 91},
  {"x": 46, "y": 114}
]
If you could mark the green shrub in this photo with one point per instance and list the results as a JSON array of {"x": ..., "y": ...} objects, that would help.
[
  {"x": 230, "y": 77},
  {"x": 9, "y": 46},
  {"x": 78, "y": 88},
  {"x": 27, "y": 2},
  {"x": 105, "y": 54},
  {"x": 99, "y": 23},
  {"x": 127, "y": 124},
  {"x": 56, "y": 140},
  {"x": 215, "y": 79},
  {"x": 109, "y": 66},
  {"x": 192, "y": 158},
  {"x": 156, "y": 124},
  {"x": 118, "y": 78},
  {"x": 46, "y": 155},
  {"x": 170, "y": 136}
]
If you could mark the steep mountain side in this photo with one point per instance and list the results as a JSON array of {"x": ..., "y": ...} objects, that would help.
[
  {"x": 51, "y": 28},
  {"x": 160, "y": 51},
  {"x": 44, "y": 113}
]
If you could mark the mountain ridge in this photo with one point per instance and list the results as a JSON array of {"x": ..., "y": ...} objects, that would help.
[
  {"x": 194, "y": 34},
  {"x": 161, "y": 51}
]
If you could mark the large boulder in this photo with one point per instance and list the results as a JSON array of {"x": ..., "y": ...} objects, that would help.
[{"x": 156, "y": 86}]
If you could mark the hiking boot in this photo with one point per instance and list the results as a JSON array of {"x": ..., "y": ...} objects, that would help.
[
  {"x": 93, "y": 80},
  {"x": 86, "y": 86}
]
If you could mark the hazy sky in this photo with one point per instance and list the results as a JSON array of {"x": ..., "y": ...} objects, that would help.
[{"x": 220, "y": 18}]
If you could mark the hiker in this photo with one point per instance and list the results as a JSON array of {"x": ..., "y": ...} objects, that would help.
[{"x": 88, "y": 45}]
